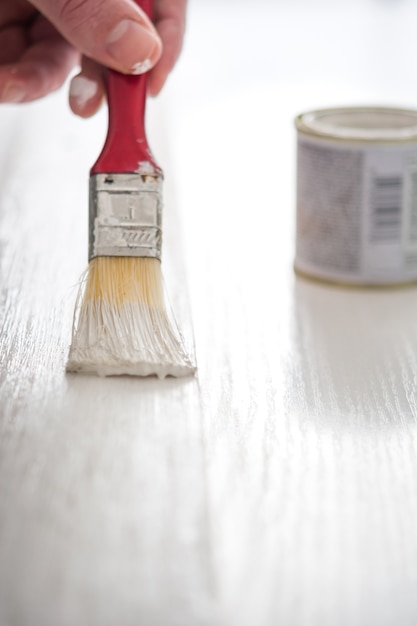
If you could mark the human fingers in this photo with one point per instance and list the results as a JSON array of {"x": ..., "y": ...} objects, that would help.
[
  {"x": 87, "y": 89},
  {"x": 115, "y": 33},
  {"x": 12, "y": 43},
  {"x": 16, "y": 11},
  {"x": 42, "y": 62},
  {"x": 170, "y": 17}
]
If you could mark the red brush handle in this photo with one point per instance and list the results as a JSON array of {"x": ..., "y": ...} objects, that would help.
[{"x": 126, "y": 145}]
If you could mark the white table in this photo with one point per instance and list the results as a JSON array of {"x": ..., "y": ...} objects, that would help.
[{"x": 280, "y": 485}]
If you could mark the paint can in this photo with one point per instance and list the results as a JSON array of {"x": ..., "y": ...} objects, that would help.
[{"x": 357, "y": 195}]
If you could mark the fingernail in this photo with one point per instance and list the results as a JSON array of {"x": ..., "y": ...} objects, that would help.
[
  {"x": 82, "y": 89},
  {"x": 141, "y": 68},
  {"x": 13, "y": 92},
  {"x": 133, "y": 46}
]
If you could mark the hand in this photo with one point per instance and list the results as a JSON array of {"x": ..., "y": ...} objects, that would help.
[{"x": 42, "y": 40}]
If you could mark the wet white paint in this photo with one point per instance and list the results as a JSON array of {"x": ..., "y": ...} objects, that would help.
[
  {"x": 141, "y": 68},
  {"x": 82, "y": 89},
  {"x": 145, "y": 167},
  {"x": 279, "y": 486}
]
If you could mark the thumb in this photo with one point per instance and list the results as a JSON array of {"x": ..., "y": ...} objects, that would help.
[{"x": 115, "y": 33}]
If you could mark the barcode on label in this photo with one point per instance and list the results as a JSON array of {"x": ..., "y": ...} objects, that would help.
[
  {"x": 412, "y": 206},
  {"x": 386, "y": 208}
]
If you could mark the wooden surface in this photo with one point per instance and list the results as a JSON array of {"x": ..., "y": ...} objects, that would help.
[{"x": 280, "y": 485}]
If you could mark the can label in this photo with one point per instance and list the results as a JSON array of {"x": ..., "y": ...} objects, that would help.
[{"x": 356, "y": 210}]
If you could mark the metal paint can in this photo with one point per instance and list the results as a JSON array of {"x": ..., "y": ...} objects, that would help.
[{"x": 357, "y": 195}]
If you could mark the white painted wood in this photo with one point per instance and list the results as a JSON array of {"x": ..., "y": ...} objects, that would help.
[{"x": 279, "y": 486}]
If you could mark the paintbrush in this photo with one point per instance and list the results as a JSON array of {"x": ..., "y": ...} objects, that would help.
[{"x": 122, "y": 322}]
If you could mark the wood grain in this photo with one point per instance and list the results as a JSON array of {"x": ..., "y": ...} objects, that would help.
[{"x": 277, "y": 487}]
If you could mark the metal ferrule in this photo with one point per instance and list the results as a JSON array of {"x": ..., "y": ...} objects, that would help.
[{"x": 125, "y": 215}]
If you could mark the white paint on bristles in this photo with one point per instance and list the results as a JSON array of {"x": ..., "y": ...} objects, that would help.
[{"x": 128, "y": 330}]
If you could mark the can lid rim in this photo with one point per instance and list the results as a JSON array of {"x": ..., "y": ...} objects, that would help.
[{"x": 348, "y": 124}]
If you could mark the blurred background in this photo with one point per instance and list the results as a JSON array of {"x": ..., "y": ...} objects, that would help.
[
  {"x": 366, "y": 46},
  {"x": 248, "y": 68}
]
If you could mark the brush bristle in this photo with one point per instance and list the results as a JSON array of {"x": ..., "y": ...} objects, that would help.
[{"x": 122, "y": 325}]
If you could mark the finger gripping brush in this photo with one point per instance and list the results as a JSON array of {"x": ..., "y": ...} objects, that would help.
[{"x": 122, "y": 324}]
